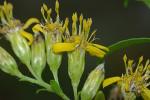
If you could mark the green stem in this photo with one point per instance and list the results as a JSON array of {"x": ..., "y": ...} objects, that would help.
[
  {"x": 42, "y": 84},
  {"x": 55, "y": 75},
  {"x": 38, "y": 82},
  {"x": 63, "y": 96},
  {"x": 75, "y": 92},
  {"x": 126, "y": 43},
  {"x": 32, "y": 72}
]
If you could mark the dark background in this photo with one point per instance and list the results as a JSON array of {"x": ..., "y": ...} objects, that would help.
[{"x": 113, "y": 22}]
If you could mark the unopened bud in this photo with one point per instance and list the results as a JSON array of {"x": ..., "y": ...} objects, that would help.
[
  {"x": 8, "y": 64},
  {"x": 93, "y": 83},
  {"x": 20, "y": 47},
  {"x": 53, "y": 59},
  {"x": 38, "y": 56},
  {"x": 76, "y": 63}
]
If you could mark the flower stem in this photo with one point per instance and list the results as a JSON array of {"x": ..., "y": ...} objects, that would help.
[
  {"x": 32, "y": 72},
  {"x": 75, "y": 92},
  {"x": 43, "y": 84},
  {"x": 63, "y": 96},
  {"x": 55, "y": 75},
  {"x": 38, "y": 82}
]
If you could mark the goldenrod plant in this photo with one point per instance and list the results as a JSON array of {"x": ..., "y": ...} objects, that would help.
[{"x": 53, "y": 37}]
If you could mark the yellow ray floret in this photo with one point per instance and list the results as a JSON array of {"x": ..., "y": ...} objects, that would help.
[
  {"x": 37, "y": 28},
  {"x": 30, "y": 22},
  {"x": 110, "y": 81},
  {"x": 99, "y": 46},
  {"x": 27, "y": 35},
  {"x": 63, "y": 47},
  {"x": 95, "y": 51}
]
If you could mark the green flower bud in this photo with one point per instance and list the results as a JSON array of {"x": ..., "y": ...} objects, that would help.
[
  {"x": 76, "y": 63},
  {"x": 20, "y": 47},
  {"x": 38, "y": 56},
  {"x": 8, "y": 64},
  {"x": 53, "y": 60},
  {"x": 92, "y": 83}
]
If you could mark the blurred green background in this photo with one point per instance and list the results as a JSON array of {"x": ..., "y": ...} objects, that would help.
[{"x": 113, "y": 22}]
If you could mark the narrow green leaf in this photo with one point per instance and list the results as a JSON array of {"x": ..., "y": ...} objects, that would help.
[
  {"x": 147, "y": 2},
  {"x": 100, "y": 96},
  {"x": 126, "y": 43}
]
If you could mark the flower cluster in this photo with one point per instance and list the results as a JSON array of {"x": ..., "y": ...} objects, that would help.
[
  {"x": 49, "y": 40},
  {"x": 135, "y": 80}
]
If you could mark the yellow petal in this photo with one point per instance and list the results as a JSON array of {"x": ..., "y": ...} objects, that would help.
[
  {"x": 37, "y": 28},
  {"x": 146, "y": 94},
  {"x": 63, "y": 47},
  {"x": 100, "y": 47},
  {"x": 29, "y": 22},
  {"x": 110, "y": 81},
  {"x": 95, "y": 51},
  {"x": 28, "y": 36}
]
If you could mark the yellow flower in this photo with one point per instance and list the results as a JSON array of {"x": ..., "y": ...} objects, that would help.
[
  {"x": 50, "y": 25},
  {"x": 76, "y": 43},
  {"x": 52, "y": 29},
  {"x": 80, "y": 38},
  {"x": 134, "y": 80},
  {"x": 15, "y": 33},
  {"x": 11, "y": 25}
]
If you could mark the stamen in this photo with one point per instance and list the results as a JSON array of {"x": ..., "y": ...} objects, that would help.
[
  {"x": 74, "y": 24},
  {"x": 66, "y": 23},
  {"x": 43, "y": 13},
  {"x": 85, "y": 26},
  {"x": 130, "y": 67},
  {"x": 80, "y": 26},
  {"x": 125, "y": 62},
  {"x": 3, "y": 20},
  {"x": 140, "y": 60},
  {"x": 6, "y": 10},
  {"x": 57, "y": 10},
  {"x": 89, "y": 22},
  {"x": 65, "y": 28},
  {"x": 49, "y": 14},
  {"x": 45, "y": 7},
  {"x": 93, "y": 33},
  {"x": 146, "y": 65}
]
